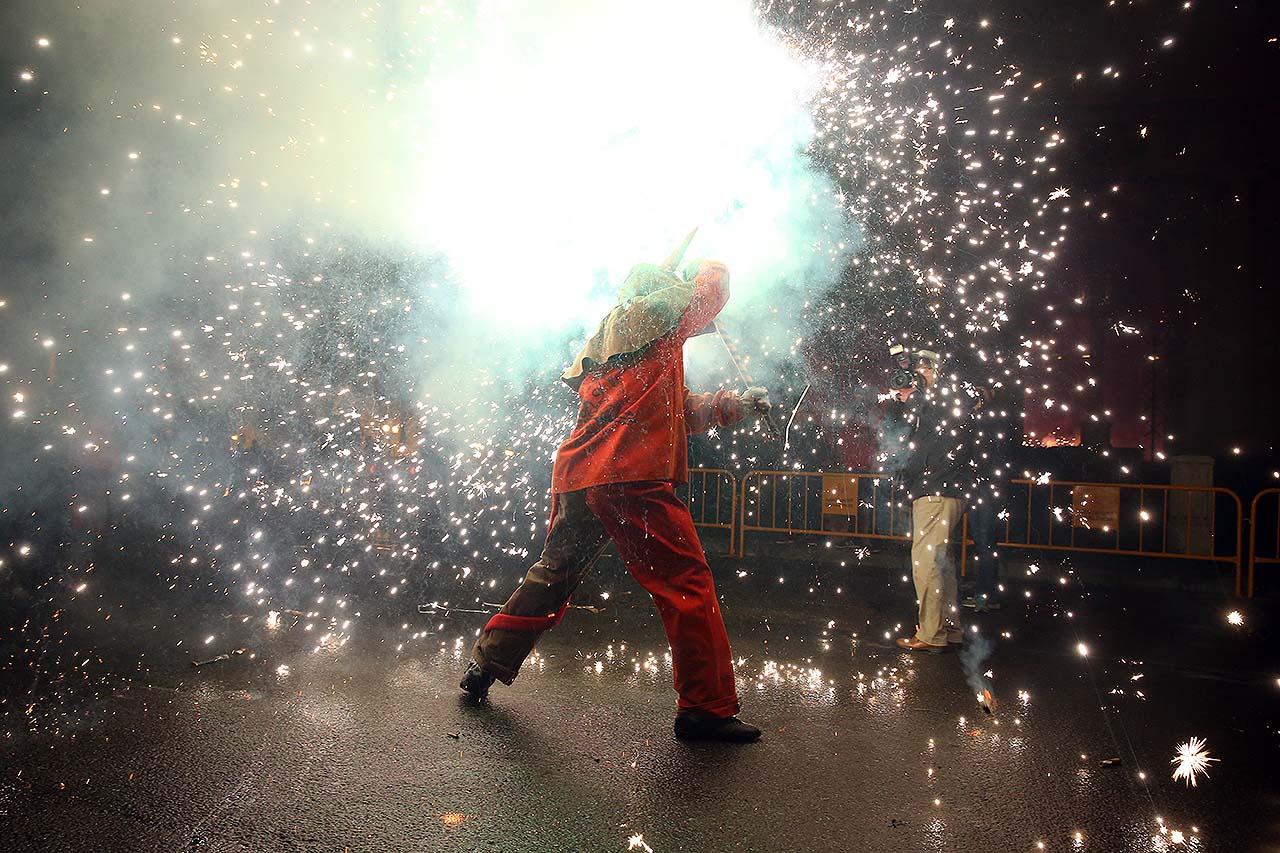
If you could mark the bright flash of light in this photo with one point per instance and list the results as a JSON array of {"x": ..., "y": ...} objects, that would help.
[
  {"x": 668, "y": 163},
  {"x": 1235, "y": 618},
  {"x": 636, "y": 842},
  {"x": 1191, "y": 760}
]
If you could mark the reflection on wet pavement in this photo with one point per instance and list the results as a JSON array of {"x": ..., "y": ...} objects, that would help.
[{"x": 360, "y": 746}]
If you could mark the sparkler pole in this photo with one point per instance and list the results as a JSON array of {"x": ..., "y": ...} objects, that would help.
[
  {"x": 733, "y": 355},
  {"x": 786, "y": 440},
  {"x": 433, "y": 607},
  {"x": 742, "y": 374}
]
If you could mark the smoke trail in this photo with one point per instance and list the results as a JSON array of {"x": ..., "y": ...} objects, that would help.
[{"x": 973, "y": 658}]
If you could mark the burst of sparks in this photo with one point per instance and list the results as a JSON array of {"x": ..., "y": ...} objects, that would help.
[{"x": 1191, "y": 761}]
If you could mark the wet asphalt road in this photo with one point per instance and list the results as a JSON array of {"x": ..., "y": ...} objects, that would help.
[{"x": 865, "y": 748}]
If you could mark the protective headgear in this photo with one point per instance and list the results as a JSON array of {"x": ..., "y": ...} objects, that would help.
[{"x": 651, "y": 302}]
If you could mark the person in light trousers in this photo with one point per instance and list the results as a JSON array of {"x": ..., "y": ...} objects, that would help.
[{"x": 939, "y": 475}]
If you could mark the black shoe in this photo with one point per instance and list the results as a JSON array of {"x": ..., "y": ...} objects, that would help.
[
  {"x": 476, "y": 682},
  {"x": 703, "y": 727}
]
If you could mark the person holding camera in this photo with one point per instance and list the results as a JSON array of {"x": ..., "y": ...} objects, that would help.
[{"x": 938, "y": 475}]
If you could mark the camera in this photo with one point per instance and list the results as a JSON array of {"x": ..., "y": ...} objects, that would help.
[
  {"x": 901, "y": 376},
  {"x": 904, "y": 375}
]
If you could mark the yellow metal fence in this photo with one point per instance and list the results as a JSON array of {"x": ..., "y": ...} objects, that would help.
[
  {"x": 1125, "y": 519},
  {"x": 713, "y": 499},
  {"x": 1270, "y": 524},
  {"x": 866, "y": 506}
]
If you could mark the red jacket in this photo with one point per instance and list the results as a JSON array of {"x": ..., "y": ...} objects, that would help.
[{"x": 634, "y": 419}]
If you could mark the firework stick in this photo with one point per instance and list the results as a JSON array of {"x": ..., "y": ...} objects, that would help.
[
  {"x": 743, "y": 375},
  {"x": 786, "y": 436}
]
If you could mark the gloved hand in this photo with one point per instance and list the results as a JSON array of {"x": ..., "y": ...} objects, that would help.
[{"x": 756, "y": 399}]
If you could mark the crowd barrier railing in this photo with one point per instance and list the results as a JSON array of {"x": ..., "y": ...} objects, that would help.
[
  {"x": 713, "y": 499},
  {"x": 1125, "y": 519},
  {"x": 866, "y": 506},
  {"x": 1272, "y": 528}
]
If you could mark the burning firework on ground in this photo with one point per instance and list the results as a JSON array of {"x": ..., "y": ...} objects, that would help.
[{"x": 1191, "y": 761}]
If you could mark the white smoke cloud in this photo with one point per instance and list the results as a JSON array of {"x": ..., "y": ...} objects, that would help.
[
  {"x": 542, "y": 148},
  {"x": 560, "y": 147}
]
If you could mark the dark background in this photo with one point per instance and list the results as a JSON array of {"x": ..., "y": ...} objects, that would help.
[{"x": 1185, "y": 254}]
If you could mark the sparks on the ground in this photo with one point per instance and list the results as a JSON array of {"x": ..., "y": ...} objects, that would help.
[{"x": 1191, "y": 760}]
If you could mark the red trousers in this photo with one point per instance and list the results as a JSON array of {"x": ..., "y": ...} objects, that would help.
[{"x": 654, "y": 534}]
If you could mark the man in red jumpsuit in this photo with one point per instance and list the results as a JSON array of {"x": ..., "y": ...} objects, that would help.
[{"x": 615, "y": 478}]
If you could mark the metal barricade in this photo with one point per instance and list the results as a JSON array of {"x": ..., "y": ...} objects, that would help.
[
  {"x": 1272, "y": 530},
  {"x": 867, "y": 506},
  {"x": 712, "y": 497},
  {"x": 1128, "y": 519},
  {"x": 1124, "y": 519}
]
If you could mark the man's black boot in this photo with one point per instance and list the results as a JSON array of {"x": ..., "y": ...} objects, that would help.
[
  {"x": 696, "y": 726},
  {"x": 476, "y": 682}
]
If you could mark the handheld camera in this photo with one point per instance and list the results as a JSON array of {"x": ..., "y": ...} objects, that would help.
[{"x": 901, "y": 376}]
